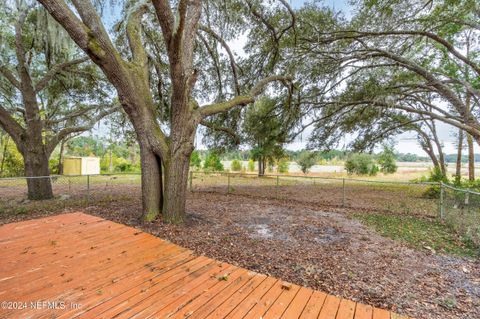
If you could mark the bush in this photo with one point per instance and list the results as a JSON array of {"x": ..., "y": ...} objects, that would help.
[
  {"x": 435, "y": 176},
  {"x": 122, "y": 165},
  {"x": 53, "y": 165},
  {"x": 251, "y": 165},
  {"x": 386, "y": 160},
  {"x": 213, "y": 163},
  {"x": 361, "y": 164},
  {"x": 12, "y": 163},
  {"x": 306, "y": 160},
  {"x": 236, "y": 165},
  {"x": 283, "y": 165},
  {"x": 195, "y": 160}
]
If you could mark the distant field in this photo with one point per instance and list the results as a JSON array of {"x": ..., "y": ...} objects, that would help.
[{"x": 406, "y": 170}]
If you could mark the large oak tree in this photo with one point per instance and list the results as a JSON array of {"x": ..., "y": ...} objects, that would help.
[
  {"x": 46, "y": 89},
  {"x": 164, "y": 50}
]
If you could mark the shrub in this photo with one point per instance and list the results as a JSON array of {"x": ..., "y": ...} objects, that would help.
[
  {"x": 361, "y": 164},
  {"x": 306, "y": 160},
  {"x": 122, "y": 165},
  {"x": 236, "y": 165},
  {"x": 283, "y": 165},
  {"x": 386, "y": 160},
  {"x": 436, "y": 176},
  {"x": 195, "y": 160},
  {"x": 53, "y": 165},
  {"x": 12, "y": 163},
  {"x": 251, "y": 165},
  {"x": 212, "y": 162}
]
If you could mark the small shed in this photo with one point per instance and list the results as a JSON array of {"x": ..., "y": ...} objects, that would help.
[{"x": 81, "y": 166}]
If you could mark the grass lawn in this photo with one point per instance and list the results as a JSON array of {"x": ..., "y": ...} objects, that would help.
[{"x": 420, "y": 233}]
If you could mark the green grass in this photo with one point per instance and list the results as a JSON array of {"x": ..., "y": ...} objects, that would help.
[{"x": 420, "y": 233}]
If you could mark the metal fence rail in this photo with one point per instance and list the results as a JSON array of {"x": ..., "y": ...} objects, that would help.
[
  {"x": 460, "y": 208},
  {"x": 457, "y": 207}
]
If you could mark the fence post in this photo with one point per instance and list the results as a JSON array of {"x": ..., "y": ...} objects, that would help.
[
  {"x": 343, "y": 193},
  {"x": 228, "y": 183},
  {"x": 277, "y": 184},
  {"x": 442, "y": 201},
  {"x": 88, "y": 190},
  {"x": 191, "y": 181}
]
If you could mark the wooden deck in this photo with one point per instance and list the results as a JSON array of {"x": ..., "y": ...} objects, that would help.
[{"x": 76, "y": 265}]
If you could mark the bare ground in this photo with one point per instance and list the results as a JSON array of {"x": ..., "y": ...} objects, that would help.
[{"x": 323, "y": 248}]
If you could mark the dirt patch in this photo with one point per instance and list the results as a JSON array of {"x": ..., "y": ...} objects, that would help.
[{"x": 319, "y": 248}]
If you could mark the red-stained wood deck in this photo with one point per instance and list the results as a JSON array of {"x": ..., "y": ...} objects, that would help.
[{"x": 94, "y": 268}]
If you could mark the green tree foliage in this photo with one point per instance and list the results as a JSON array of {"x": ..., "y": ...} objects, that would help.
[
  {"x": 361, "y": 164},
  {"x": 386, "y": 160},
  {"x": 251, "y": 165},
  {"x": 306, "y": 160},
  {"x": 11, "y": 161},
  {"x": 236, "y": 165},
  {"x": 266, "y": 129},
  {"x": 418, "y": 62},
  {"x": 86, "y": 146},
  {"x": 195, "y": 160},
  {"x": 283, "y": 165},
  {"x": 212, "y": 162}
]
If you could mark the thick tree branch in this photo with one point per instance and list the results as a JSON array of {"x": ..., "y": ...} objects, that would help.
[
  {"x": 10, "y": 125},
  {"x": 9, "y": 76},
  {"x": 134, "y": 36},
  {"x": 226, "y": 130},
  {"x": 55, "y": 70},
  {"x": 69, "y": 20},
  {"x": 165, "y": 18},
  {"x": 241, "y": 100}
]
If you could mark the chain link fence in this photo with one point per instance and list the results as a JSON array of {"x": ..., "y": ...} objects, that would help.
[
  {"x": 405, "y": 197},
  {"x": 460, "y": 208},
  {"x": 74, "y": 191},
  {"x": 457, "y": 207}
]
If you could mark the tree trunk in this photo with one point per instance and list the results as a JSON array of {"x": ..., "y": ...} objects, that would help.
[
  {"x": 36, "y": 166},
  {"x": 458, "y": 169},
  {"x": 261, "y": 166},
  {"x": 433, "y": 157},
  {"x": 152, "y": 184},
  {"x": 60, "y": 158},
  {"x": 176, "y": 181},
  {"x": 441, "y": 156},
  {"x": 4, "y": 155},
  {"x": 110, "y": 164},
  {"x": 471, "y": 158}
]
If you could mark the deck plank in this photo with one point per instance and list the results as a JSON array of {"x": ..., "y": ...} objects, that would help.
[
  {"x": 330, "y": 308},
  {"x": 346, "y": 309},
  {"x": 380, "y": 314},
  {"x": 363, "y": 311},
  {"x": 101, "y": 269},
  {"x": 298, "y": 303},
  {"x": 314, "y": 305}
]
